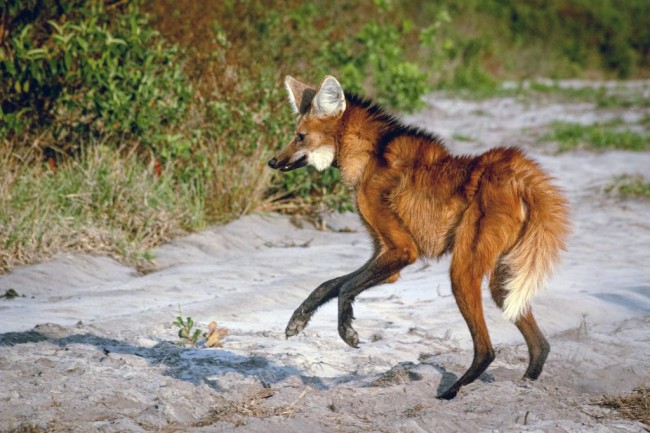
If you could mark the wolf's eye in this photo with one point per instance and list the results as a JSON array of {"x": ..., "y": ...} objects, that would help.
[{"x": 301, "y": 137}]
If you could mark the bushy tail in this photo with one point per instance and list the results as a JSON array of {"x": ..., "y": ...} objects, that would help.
[{"x": 531, "y": 260}]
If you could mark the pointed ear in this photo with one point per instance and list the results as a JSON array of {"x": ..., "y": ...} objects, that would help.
[
  {"x": 330, "y": 100},
  {"x": 300, "y": 94}
]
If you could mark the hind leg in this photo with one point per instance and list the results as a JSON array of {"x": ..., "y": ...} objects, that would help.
[
  {"x": 467, "y": 292},
  {"x": 538, "y": 347},
  {"x": 486, "y": 230}
]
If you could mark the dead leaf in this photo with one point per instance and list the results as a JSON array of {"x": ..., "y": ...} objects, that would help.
[{"x": 215, "y": 334}]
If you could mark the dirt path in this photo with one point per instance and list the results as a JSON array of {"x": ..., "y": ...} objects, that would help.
[{"x": 90, "y": 346}]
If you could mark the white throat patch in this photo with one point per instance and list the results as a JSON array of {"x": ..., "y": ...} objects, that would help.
[{"x": 321, "y": 158}]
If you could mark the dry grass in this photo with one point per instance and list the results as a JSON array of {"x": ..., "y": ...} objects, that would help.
[
  {"x": 26, "y": 428},
  {"x": 253, "y": 406},
  {"x": 101, "y": 202},
  {"x": 634, "y": 406},
  {"x": 237, "y": 187},
  {"x": 398, "y": 375}
]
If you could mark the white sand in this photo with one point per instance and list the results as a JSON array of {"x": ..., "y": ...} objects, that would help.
[{"x": 91, "y": 346}]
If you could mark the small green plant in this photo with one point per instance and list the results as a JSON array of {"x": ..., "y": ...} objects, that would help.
[
  {"x": 10, "y": 294},
  {"x": 186, "y": 331}
]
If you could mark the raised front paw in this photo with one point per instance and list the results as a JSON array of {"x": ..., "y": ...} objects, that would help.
[
  {"x": 297, "y": 323},
  {"x": 349, "y": 335}
]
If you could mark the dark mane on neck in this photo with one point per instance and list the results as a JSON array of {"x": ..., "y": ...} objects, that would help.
[{"x": 392, "y": 127}]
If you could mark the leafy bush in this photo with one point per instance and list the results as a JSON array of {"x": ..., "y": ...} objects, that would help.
[
  {"x": 80, "y": 73},
  {"x": 238, "y": 54},
  {"x": 557, "y": 37},
  {"x": 375, "y": 55}
]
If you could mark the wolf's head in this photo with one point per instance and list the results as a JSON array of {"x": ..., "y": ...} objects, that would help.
[{"x": 319, "y": 112}]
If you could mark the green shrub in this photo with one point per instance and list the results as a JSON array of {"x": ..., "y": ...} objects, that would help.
[
  {"x": 589, "y": 34},
  {"x": 78, "y": 73},
  {"x": 372, "y": 62}
]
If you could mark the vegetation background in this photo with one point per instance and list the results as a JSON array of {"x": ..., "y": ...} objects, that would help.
[{"x": 124, "y": 123}]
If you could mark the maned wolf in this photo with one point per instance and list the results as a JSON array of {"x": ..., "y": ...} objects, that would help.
[{"x": 497, "y": 213}]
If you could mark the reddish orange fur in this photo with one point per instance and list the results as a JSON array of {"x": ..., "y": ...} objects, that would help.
[{"x": 497, "y": 213}]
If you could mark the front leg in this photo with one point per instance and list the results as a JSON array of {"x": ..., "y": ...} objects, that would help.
[
  {"x": 322, "y": 294},
  {"x": 377, "y": 272}
]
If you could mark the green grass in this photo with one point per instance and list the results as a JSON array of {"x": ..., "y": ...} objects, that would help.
[
  {"x": 635, "y": 186},
  {"x": 571, "y": 136}
]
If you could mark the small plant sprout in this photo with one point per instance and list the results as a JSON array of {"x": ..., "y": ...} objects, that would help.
[{"x": 185, "y": 329}]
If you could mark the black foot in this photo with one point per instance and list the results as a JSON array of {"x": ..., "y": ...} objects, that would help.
[
  {"x": 449, "y": 394},
  {"x": 297, "y": 323},
  {"x": 349, "y": 335},
  {"x": 534, "y": 369}
]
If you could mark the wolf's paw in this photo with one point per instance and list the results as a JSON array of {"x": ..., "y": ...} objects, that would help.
[
  {"x": 450, "y": 394},
  {"x": 297, "y": 324},
  {"x": 349, "y": 335}
]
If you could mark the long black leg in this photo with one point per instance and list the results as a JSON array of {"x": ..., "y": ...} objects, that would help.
[
  {"x": 376, "y": 272},
  {"x": 538, "y": 347},
  {"x": 322, "y": 294}
]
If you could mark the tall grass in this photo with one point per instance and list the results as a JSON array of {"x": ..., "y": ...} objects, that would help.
[{"x": 100, "y": 202}]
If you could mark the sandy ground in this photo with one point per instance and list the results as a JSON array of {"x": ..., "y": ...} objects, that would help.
[{"x": 91, "y": 347}]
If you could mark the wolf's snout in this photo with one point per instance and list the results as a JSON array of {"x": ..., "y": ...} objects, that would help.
[{"x": 273, "y": 163}]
